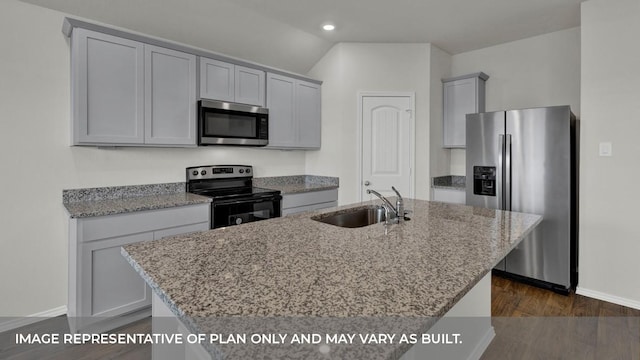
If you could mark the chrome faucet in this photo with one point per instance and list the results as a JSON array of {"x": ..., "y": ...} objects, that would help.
[
  {"x": 392, "y": 214},
  {"x": 399, "y": 204}
]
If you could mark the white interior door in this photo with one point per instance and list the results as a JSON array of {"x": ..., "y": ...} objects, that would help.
[{"x": 387, "y": 125}]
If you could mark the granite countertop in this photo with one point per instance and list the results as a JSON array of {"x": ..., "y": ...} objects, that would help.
[
  {"x": 451, "y": 182},
  {"x": 300, "y": 268},
  {"x": 90, "y": 202},
  {"x": 297, "y": 183},
  {"x": 101, "y": 201}
]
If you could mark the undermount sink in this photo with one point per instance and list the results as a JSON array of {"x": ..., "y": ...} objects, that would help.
[{"x": 353, "y": 218}]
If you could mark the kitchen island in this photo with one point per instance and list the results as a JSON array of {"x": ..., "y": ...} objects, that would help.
[{"x": 296, "y": 274}]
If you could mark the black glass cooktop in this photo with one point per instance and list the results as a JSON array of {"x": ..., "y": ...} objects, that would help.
[{"x": 226, "y": 193}]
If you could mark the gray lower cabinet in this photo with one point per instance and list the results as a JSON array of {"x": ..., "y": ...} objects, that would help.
[
  {"x": 307, "y": 201},
  {"x": 294, "y": 113},
  {"x": 224, "y": 81},
  {"x": 453, "y": 196},
  {"x": 462, "y": 95},
  {"x": 127, "y": 93},
  {"x": 105, "y": 292}
]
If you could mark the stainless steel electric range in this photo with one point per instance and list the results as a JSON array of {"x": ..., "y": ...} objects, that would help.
[{"x": 234, "y": 199}]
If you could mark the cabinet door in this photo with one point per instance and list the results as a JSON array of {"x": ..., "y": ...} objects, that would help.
[
  {"x": 460, "y": 99},
  {"x": 185, "y": 229},
  {"x": 110, "y": 286},
  {"x": 108, "y": 89},
  {"x": 170, "y": 97},
  {"x": 217, "y": 80},
  {"x": 296, "y": 203},
  {"x": 281, "y": 101},
  {"x": 449, "y": 196},
  {"x": 249, "y": 86},
  {"x": 308, "y": 114}
]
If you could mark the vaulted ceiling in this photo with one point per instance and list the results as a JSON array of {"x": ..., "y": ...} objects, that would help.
[{"x": 287, "y": 34}]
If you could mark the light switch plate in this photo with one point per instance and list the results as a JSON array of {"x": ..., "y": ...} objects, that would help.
[{"x": 606, "y": 149}]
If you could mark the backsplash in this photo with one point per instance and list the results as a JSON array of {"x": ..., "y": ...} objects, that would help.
[{"x": 294, "y": 180}]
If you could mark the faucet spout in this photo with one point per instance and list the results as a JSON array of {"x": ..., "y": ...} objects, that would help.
[{"x": 386, "y": 203}]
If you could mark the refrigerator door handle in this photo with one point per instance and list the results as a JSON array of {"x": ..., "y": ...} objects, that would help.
[
  {"x": 500, "y": 182},
  {"x": 507, "y": 172}
]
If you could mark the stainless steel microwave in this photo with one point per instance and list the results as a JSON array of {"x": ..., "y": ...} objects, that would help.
[{"x": 225, "y": 123}]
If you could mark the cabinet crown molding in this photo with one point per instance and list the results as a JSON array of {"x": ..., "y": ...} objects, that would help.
[
  {"x": 480, "y": 75},
  {"x": 70, "y": 23}
]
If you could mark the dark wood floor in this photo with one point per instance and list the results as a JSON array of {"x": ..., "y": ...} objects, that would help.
[
  {"x": 533, "y": 323},
  {"x": 9, "y": 349},
  {"x": 530, "y": 323}
]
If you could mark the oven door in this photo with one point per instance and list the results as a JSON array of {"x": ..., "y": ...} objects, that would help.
[{"x": 238, "y": 211}]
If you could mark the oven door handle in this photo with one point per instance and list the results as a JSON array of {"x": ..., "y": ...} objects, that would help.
[{"x": 248, "y": 201}]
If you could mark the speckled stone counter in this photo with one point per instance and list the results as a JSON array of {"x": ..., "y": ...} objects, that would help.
[
  {"x": 90, "y": 202},
  {"x": 297, "y": 183},
  {"x": 302, "y": 268},
  {"x": 452, "y": 182}
]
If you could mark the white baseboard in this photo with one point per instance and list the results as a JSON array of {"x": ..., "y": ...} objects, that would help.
[
  {"x": 609, "y": 298},
  {"x": 17, "y": 322},
  {"x": 482, "y": 346}
]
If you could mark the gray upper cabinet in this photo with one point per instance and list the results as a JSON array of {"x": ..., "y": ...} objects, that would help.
[
  {"x": 294, "y": 113},
  {"x": 281, "y": 104},
  {"x": 134, "y": 90},
  {"x": 250, "y": 86},
  {"x": 217, "y": 80},
  {"x": 462, "y": 95},
  {"x": 128, "y": 93},
  {"x": 224, "y": 81},
  {"x": 108, "y": 89},
  {"x": 170, "y": 97},
  {"x": 308, "y": 114}
]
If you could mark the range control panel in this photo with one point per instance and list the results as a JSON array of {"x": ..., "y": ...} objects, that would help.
[
  {"x": 484, "y": 180},
  {"x": 219, "y": 172}
]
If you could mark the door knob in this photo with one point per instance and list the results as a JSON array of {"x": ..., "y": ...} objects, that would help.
[{"x": 367, "y": 183}]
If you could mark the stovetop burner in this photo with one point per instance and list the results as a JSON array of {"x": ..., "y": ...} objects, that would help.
[
  {"x": 234, "y": 199},
  {"x": 233, "y": 192},
  {"x": 224, "y": 181}
]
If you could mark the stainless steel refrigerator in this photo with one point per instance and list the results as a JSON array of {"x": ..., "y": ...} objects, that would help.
[{"x": 527, "y": 161}]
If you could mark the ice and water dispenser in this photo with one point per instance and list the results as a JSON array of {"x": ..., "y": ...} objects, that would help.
[{"x": 484, "y": 180}]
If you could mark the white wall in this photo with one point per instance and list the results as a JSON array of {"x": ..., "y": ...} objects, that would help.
[
  {"x": 246, "y": 34},
  {"x": 539, "y": 71},
  {"x": 610, "y": 97},
  {"x": 351, "y": 67},
  {"x": 37, "y": 163}
]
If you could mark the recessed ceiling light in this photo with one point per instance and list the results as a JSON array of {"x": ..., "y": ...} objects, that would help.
[{"x": 328, "y": 27}]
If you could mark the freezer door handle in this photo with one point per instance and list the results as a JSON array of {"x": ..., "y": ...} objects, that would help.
[
  {"x": 507, "y": 172},
  {"x": 500, "y": 181}
]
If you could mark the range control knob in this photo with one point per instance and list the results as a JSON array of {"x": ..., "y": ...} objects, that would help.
[
  {"x": 203, "y": 172},
  {"x": 241, "y": 171},
  {"x": 194, "y": 172},
  {"x": 248, "y": 170}
]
